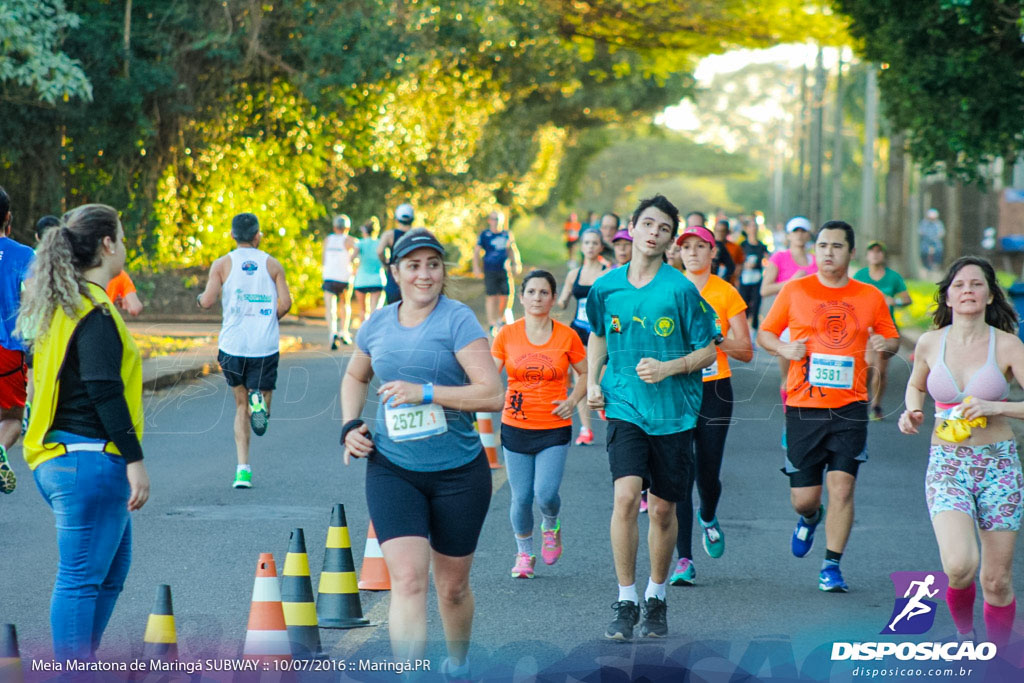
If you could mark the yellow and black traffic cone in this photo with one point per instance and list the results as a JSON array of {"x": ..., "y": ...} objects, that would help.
[
  {"x": 337, "y": 604},
  {"x": 297, "y": 600},
  {"x": 10, "y": 658},
  {"x": 161, "y": 638}
]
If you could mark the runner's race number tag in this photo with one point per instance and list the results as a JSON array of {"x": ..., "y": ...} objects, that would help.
[
  {"x": 710, "y": 371},
  {"x": 409, "y": 423},
  {"x": 581, "y": 314},
  {"x": 831, "y": 371}
]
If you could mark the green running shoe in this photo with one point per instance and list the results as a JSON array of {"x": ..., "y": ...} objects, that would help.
[
  {"x": 243, "y": 479},
  {"x": 258, "y": 414},
  {"x": 8, "y": 482},
  {"x": 685, "y": 574}
]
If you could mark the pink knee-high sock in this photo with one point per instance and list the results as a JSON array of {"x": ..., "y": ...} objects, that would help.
[
  {"x": 961, "y": 607},
  {"x": 999, "y": 622}
]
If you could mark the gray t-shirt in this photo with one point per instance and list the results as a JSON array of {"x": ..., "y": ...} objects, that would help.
[{"x": 421, "y": 354}]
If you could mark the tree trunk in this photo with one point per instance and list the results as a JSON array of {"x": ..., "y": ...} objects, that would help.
[
  {"x": 127, "y": 42},
  {"x": 954, "y": 223},
  {"x": 896, "y": 195},
  {"x": 868, "y": 213},
  {"x": 817, "y": 138},
  {"x": 837, "y": 142}
]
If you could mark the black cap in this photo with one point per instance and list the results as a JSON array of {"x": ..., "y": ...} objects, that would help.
[{"x": 415, "y": 239}]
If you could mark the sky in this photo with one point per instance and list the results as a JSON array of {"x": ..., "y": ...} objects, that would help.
[{"x": 683, "y": 116}]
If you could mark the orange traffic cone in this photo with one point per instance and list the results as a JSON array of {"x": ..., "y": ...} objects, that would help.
[
  {"x": 338, "y": 603},
  {"x": 161, "y": 639},
  {"x": 266, "y": 639},
  {"x": 374, "y": 571},
  {"x": 10, "y": 658},
  {"x": 487, "y": 438}
]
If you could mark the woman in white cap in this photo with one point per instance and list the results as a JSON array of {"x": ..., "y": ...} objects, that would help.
[
  {"x": 428, "y": 483},
  {"x": 782, "y": 266}
]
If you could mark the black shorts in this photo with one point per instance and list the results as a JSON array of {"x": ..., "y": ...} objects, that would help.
[
  {"x": 252, "y": 373},
  {"x": 664, "y": 462},
  {"x": 820, "y": 438},
  {"x": 447, "y": 507},
  {"x": 584, "y": 335},
  {"x": 496, "y": 283},
  {"x": 335, "y": 287},
  {"x": 372, "y": 289}
]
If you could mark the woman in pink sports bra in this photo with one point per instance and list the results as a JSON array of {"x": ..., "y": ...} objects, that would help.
[
  {"x": 974, "y": 475},
  {"x": 783, "y": 266}
]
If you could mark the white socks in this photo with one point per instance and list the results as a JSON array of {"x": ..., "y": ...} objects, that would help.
[{"x": 655, "y": 590}]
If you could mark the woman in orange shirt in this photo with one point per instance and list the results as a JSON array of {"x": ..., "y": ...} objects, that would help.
[
  {"x": 697, "y": 247},
  {"x": 536, "y": 424}
]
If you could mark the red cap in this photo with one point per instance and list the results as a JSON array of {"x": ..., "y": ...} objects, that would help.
[{"x": 696, "y": 231}]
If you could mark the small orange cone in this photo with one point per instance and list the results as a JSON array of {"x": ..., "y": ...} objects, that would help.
[
  {"x": 10, "y": 658},
  {"x": 374, "y": 572},
  {"x": 266, "y": 639},
  {"x": 487, "y": 438}
]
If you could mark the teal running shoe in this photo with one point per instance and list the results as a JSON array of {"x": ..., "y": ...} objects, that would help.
[
  {"x": 8, "y": 482},
  {"x": 685, "y": 574},
  {"x": 714, "y": 539}
]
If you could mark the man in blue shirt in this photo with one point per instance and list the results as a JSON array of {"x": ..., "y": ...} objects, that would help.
[
  {"x": 496, "y": 248},
  {"x": 657, "y": 334},
  {"x": 15, "y": 259}
]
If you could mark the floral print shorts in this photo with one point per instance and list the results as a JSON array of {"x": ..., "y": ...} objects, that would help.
[{"x": 984, "y": 482}]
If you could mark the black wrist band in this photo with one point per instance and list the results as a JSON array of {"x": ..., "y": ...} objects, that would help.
[{"x": 348, "y": 427}]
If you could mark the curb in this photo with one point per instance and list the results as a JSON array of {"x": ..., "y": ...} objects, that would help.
[{"x": 163, "y": 372}]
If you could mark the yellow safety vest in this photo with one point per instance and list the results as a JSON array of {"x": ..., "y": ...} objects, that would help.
[{"x": 48, "y": 360}]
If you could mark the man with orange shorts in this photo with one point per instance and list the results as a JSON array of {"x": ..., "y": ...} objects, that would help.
[
  {"x": 15, "y": 260},
  {"x": 832, "y": 321}
]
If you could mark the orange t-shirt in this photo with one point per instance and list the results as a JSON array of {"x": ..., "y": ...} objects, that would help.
[
  {"x": 120, "y": 286},
  {"x": 537, "y": 375},
  {"x": 834, "y": 321},
  {"x": 738, "y": 257},
  {"x": 727, "y": 302}
]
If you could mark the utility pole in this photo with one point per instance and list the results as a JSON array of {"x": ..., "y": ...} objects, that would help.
[
  {"x": 801, "y": 132},
  {"x": 837, "y": 141},
  {"x": 868, "y": 208},
  {"x": 817, "y": 137}
]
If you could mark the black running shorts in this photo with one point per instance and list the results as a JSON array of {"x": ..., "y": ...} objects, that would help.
[
  {"x": 496, "y": 283},
  {"x": 447, "y": 507},
  {"x": 252, "y": 373},
  {"x": 334, "y": 287},
  {"x": 664, "y": 462},
  {"x": 824, "y": 438}
]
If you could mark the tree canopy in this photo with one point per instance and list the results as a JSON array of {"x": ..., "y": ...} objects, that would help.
[{"x": 950, "y": 76}]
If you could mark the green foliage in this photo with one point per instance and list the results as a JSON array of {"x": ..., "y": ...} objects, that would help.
[
  {"x": 32, "y": 67},
  {"x": 950, "y": 77}
]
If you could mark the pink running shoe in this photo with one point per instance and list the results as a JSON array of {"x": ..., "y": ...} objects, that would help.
[
  {"x": 524, "y": 566},
  {"x": 551, "y": 548},
  {"x": 643, "y": 501},
  {"x": 585, "y": 438}
]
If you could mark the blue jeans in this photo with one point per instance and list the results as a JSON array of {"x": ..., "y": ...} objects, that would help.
[
  {"x": 88, "y": 493},
  {"x": 530, "y": 475}
]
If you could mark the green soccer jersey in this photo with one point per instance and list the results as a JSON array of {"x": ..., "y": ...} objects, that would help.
[
  {"x": 890, "y": 285},
  {"x": 664, "y": 320}
]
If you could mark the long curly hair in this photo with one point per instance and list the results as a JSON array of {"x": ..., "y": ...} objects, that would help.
[
  {"x": 999, "y": 314},
  {"x": 56, "y": 278}
]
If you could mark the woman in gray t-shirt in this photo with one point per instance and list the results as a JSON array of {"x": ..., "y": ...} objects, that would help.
[{"x": 428, "y": 483}]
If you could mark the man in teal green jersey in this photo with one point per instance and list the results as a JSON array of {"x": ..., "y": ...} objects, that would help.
[
  {"x": 892, "y": 286},
  {"x": 656, "y": 333}
]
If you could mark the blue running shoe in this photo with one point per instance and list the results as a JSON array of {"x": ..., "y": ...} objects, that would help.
[
  {"x": 714, "y": 539},
  {"x": 803, "y": 534},
  {"x": 831, "y": 580}
]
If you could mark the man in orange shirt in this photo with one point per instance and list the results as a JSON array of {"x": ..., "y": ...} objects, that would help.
[
  {"x": 832, "y": 321},
  {"x": 121, "y": 291}
]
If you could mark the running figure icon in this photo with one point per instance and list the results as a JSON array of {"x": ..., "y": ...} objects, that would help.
[{"x": 915, "y": 606}]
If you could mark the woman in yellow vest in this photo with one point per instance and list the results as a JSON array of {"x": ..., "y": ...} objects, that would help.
[{"x": 83, "y": 442}]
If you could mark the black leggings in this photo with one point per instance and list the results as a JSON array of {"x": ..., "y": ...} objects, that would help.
[
  {"x": 709, "y": 447},
  {"x": 752, "y": 295}
]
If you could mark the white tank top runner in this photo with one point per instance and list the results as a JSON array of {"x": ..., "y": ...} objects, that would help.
[
  {"x": 249, "y": 301},
  {"x": 337, "y": 262}
]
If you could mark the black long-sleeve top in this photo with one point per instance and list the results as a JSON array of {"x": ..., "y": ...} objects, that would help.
[{"x": 91, "y": 400}]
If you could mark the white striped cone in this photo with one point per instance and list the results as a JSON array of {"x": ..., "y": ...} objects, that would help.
[
  {"x": 373, "y": 574},
  {"x": 267, "y": 636},
  {"x": 488, "y": 439}
]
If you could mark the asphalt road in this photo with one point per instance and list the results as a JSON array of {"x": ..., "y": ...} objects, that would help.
[{"x": 757, "y": 607}]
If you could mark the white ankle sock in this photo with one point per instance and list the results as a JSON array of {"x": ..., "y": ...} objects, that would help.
[
  {"x": 629, "y": 593},
  {"x": 655, "y": 590}
]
